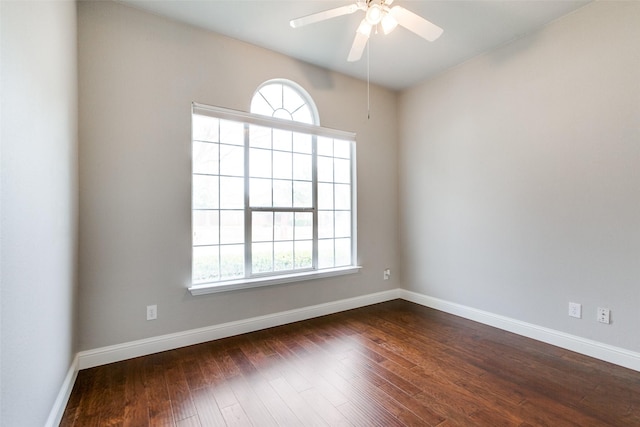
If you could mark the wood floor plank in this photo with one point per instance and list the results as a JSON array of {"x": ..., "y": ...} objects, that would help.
[
  {"x": 389, "y": 364},
  {"x": 189, "y": 362},
  {"x": 178, "y": 388},
  {"x": 77, "y": 400},
  {"x": 251, "y": 403},
  {"x": 234, "y": 415},
  {"x": 296, "y": 403},
  {"x": 278, "y": 408},
  {"x": 325, "y": 409},
  {"x": 204, "y": 400},
  {"x": 356, "y": 416},
  {"x": 160, "y": 414},
  {"x": 285, "y": 363},
  {"x": 158, "y": 400},
  {"x": 136, "y": 409},
  {"x": 93, "y": 399},
  {"x": 193, "y": 421},
  {"x": 380, "y": 409},
  {"x": 255, "y": 380},
  {"x": 222, "y": 391}
]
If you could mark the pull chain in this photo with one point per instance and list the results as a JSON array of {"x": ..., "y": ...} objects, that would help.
[{"x": 368, "y": 92}]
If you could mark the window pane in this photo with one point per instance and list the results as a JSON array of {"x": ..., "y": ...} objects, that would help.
[
  {"x": 262, "y": 226},
  {"x": 325, "y": 146},
  {"x": 343, "y": 196},
  {"x": 260, "y": 192},
  {"x": 302, "y": 167},
  {"x": 282, "y": 165},
  {"x": 260, "y": 163},
  {"x": 325, "y": 196},
  {"x": 303, "y": 254},
  {"x": 231, "y": 132},
  {"x": 302, "y": 143},
  {"x": 325, "y": 253},
  {"x": 205, "y": 228},
  {"x": 291, "y": 99},
  {"x": 205, "y": 128},
  {"x": 231, "y": 160},
  {"x": 302, "y": 194},
  {"x": 273, "y": 94},
  {"x": 342, "y": 148},
  {"x": 283, "y": 227},
  {"x": 262, "y": 257},
  {"x": 325, "y": 169},
  {"x": 304, "y": 225},
  {"x": 343, "y": 252},
  {"x": 205, "y": 158},
  {"x": 283, "y": 256},
  {"x": 260, "y": 106},
  {"x": 259, "y": 136},
  {"x": 303, "y": 115},
  {"x": 231, "y": 227},
  {"x": 231, "y": 261},
  {"x": 205, "y": 266},
  {"x": 342, "y": 224},
  {"x": 282, "y": 139},
  {"x": 325, "y": 224},
  {"x": 205, "y": 192},
  {"x": 342, "y": 171},
  {"x": 282, "y": 193},
  {"x": 231, "y": 193}
]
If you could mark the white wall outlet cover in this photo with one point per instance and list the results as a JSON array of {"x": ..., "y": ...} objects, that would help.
[
  {"x": 152, "y": 312},
  {"x": 604, "y": 315},
  {"x": 575, "y": 310}
]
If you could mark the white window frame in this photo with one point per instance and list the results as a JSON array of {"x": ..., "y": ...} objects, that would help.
[{"x": 291, "y": 276}]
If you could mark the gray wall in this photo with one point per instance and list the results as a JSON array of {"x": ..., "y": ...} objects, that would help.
[
  {"x": 38, "y": 206},
  {"x": 520, "y": 177},
  {"x": 138, "y": 74}
]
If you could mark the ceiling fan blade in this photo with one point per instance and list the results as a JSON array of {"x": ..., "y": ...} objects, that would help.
[
  {"x": 360, "y": 41},
  {"x": 321, "y": 16},
  {"x": 416, "y": 23}
]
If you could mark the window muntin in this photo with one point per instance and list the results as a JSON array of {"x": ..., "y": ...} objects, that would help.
[{"x": 270, "y": 197}]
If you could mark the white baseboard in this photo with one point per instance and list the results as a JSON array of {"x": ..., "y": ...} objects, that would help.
[
  {"x": 116, "y": 353},
  {"x": 607, "y": 353},
  {"x": 57, "y": 411}
]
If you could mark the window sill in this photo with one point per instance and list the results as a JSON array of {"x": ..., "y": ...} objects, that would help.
[{"x": 234, "y": 285}]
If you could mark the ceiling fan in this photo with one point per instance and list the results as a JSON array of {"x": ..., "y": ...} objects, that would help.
[{"x": 376, "y": 12}]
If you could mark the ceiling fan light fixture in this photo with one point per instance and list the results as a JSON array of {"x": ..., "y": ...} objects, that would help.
[
  {"x": 364, "y": 28},
  {"x": 388, "y": 23},
  {"x": 375, "y": 14}
]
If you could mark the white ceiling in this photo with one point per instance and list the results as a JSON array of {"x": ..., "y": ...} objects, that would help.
[{"x": 398, "y": 60}]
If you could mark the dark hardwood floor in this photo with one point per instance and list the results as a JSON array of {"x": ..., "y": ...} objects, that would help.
[{"x": 390, "y": 364}]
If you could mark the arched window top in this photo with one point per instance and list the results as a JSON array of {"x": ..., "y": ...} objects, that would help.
[{"x": 284, "y": 99}]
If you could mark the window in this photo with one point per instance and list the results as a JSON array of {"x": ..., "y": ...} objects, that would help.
[{"x": 273, "y": 193}]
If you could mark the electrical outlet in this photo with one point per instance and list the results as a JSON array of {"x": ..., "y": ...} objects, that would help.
[
  {"x": 604, "y": 315},
  {"x": 386, "y": 274},
  {"x": 575, "y": 310},
  {"x": 152, "y": 312}
]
